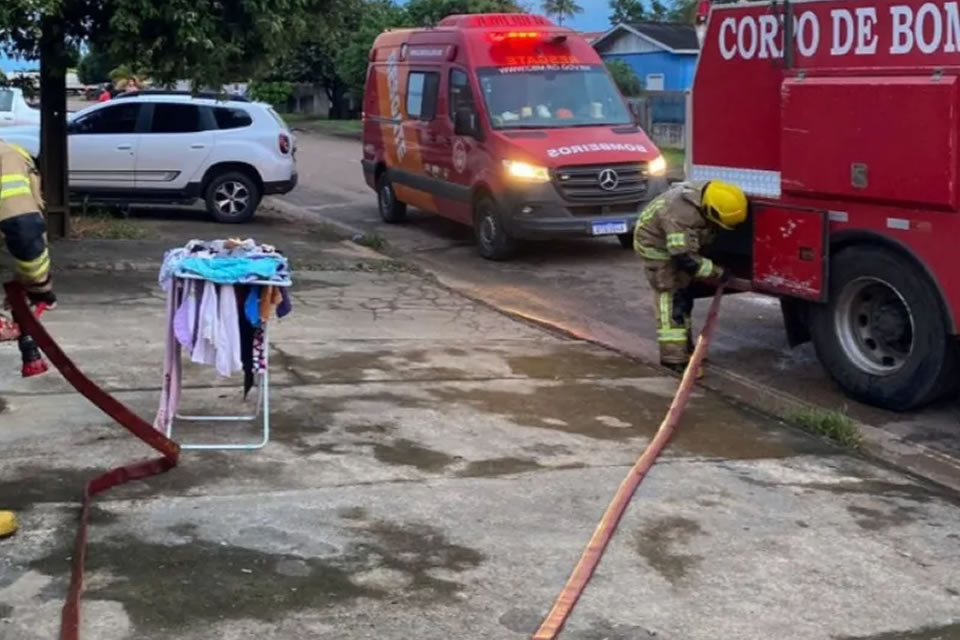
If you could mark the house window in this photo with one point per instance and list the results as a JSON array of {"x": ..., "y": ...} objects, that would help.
[{"x": 654, "y": 82}]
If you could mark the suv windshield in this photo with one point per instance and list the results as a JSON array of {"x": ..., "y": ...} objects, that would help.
[{"x": 541, "y": 98}]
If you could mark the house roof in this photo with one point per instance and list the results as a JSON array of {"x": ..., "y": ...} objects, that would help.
[
  {"x": 675, "y": 37},
  {"x": 592, "y": 36}
]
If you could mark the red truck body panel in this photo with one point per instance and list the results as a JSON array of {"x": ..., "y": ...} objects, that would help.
[{"x": 862, "y": 127}]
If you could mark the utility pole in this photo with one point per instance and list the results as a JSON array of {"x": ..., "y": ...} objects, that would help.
[{"x": 53, "y": 126}]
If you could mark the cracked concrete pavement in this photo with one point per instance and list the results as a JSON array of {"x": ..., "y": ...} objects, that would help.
[{"x": 435, "y": 470}]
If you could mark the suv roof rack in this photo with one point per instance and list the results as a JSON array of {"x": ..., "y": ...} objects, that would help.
[{"x": 236, "y": 97}]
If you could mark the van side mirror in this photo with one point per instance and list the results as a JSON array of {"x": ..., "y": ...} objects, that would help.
[{"x": 465, "y": 123}]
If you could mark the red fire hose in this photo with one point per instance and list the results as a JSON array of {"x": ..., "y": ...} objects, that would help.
[
  {"x": 590, "y": 558},
  {"x": 24, "y": 317}
]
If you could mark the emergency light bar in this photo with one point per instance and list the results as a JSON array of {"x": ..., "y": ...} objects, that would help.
[{"x": 527, "y": 36}]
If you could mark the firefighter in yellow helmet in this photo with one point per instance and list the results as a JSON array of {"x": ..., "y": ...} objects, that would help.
[
  {"x": 669, "y": 236},
  {"x": 23, "y": 227}
]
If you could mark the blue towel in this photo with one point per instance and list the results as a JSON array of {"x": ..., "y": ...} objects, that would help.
[{"x": 234, "y": 270}]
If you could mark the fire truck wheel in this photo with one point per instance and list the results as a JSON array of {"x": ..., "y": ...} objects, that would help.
[
  {"x": 883, "y": 335},
  {"x": 493, "y": 241},
  {"x": 626, "y": 240},
  {"x": 391, "y": 210}
]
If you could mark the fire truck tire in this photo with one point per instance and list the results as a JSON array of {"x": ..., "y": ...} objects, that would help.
[
  {"x": 883, "y": 336},
  {"x": 626, "y": 240},
  {"x": 392, "y": 210},
  {"x": 493, "y": 240}
]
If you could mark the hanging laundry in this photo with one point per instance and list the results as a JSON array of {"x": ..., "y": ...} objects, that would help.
[
  {"x": 210, "y": 260},
  {"x": 251, "y": 307},
  {"x": 208, "y": 324},
  {"x": 270, "y": 298},
  {"x": 170, "y": 386},
  {"x": 228, "y": 333},
  {"x": 185, "y": 321}
]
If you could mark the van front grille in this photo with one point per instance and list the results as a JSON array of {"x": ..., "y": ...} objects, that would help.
[{"x": 610, "y": 182}]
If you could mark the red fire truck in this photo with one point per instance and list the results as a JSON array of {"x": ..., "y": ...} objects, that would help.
[{"x": 841, "y": 120}]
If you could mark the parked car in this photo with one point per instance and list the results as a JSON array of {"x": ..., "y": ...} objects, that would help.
[
  {"x": 14, "y": 109},
  {"x": 169, "y": 147}
]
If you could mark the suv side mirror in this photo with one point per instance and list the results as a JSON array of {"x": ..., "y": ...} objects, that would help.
[{"x": 465, "y": 123}]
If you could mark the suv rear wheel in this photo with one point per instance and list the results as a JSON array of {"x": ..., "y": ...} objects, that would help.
[{"x": 232, "y": 197}]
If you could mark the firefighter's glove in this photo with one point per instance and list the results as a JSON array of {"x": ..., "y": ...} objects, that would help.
[{"x": 686, "y": 263}]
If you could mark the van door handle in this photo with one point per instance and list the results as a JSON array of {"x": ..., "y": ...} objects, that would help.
[
  {"x": 124, "y": 147},
  {"x": 198, "y": 146}
]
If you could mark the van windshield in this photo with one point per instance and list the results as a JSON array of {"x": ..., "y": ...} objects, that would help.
[{"x": 546, "y": 98}]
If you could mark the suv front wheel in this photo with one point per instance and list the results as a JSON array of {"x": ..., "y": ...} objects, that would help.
[{"x": 232, "y": 197}]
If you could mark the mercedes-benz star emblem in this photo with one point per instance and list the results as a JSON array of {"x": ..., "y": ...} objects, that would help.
[{"x": 608, "y": 179}]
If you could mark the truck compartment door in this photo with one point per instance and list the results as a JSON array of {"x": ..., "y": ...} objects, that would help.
[{"x": 790, "y": 251}]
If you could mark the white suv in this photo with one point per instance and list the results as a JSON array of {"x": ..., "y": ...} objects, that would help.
[{"x": 166, "y": 147}]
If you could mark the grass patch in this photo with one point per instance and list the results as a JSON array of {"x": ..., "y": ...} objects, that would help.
[
  {"x": 675, "y": 159},
  {"x": 306, "y": 122},
  {"x": 371, "y": 239},
  {"x": 102, "y": 225},
  {"x": 835, "y": 425}
]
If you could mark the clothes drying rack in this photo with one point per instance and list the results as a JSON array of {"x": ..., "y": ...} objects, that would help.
[{"x": 262, "y": 410}]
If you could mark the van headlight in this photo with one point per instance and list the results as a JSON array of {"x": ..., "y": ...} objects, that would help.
[
  {"x": 657, "y": 166},
  {"x": 525, "y": 171}
]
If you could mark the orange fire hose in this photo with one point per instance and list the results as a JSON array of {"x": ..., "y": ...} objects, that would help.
[
  {"x": 590, "y": 558},
  {"x": 24, "y": 317}
]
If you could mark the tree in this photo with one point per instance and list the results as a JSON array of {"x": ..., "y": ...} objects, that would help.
[
  {"x": 561, "y": 9},
  {"x": 659, "y": 11},
  {"x": 627, "y": 11},
  {"x": 626, "y": 80},
  {"x": 425, "y": 13},
  {"x": 95, "y": 67}
]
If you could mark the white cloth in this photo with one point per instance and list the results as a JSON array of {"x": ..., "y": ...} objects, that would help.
[
  {"x": 208, "y": 327},
  {"x": 228, "y": 334}
]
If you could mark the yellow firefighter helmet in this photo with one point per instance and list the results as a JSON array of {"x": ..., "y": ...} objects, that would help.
[{"x": 724, "y": 204}]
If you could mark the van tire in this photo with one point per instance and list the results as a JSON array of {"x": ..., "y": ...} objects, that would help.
[
  {"x": 884, "y": 336},
  {"x": 626, "y": 240},
  {"x": 232, "y": 197},
  {"x": 493, "y": 241},
  {"x": 392, "y": 211}
]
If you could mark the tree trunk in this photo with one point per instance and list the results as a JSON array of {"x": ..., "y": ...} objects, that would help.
[{"x": 53, "y": 127}]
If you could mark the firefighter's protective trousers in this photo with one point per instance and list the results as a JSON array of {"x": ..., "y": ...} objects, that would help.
[
  {"x": 669, "y": 236},
  {"x": 21, "y": 220}
]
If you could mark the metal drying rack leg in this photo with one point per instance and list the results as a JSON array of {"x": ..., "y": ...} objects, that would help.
[{"x": 262, "y": 409}]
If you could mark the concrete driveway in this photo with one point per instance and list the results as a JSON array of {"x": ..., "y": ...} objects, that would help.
[{"x": 435, "y": 471}]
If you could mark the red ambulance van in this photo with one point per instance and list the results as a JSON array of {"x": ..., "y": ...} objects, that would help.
[{"x": 508, "y": 123}]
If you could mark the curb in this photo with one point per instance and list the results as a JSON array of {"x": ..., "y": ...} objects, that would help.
[{"x": 878, "y": 444}]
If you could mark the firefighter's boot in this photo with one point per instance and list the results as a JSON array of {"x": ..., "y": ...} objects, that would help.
[{"x": 8, "y": 524}]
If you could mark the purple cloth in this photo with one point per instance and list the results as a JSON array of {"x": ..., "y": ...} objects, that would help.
[
  {"x": 185, "y": 320},
  {"x": 170, "y": 389},
  {"x": 285, "y": 306}
]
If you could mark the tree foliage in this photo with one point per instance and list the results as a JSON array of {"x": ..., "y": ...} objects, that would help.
[
  {"x": 627, "y": 11},
  {"x": 206, "y": 41},
  {"x": 95, "y": 67},
  {"x": 626, "y": 80},
  {"x": 560, "y": 10},
  {"x": 425, "y": 13}
]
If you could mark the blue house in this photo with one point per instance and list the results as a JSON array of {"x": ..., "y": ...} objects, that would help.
[{"x": 662, "y": 54}]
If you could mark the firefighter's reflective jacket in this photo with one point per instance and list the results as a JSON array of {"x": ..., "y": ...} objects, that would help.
[{"x": 672, "y": 225}]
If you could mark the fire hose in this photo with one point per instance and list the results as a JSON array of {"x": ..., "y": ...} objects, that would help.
[
  {"x": 563, "y": 606},
  {"x": 30, "y": 326}
]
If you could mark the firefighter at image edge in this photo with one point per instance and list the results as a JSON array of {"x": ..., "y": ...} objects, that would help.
[
  {"x": 23, "y": 226},
  {"x": 669, "y": 236}
]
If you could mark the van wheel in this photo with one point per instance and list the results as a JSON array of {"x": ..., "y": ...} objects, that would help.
[
  {"x": 232, "y": 197},
  {"x": 493, "y": 241},
  {"x": 883, "y": 336},
  {"x": 392, "y": 210},
  {"x": 626, "y": 240}
]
